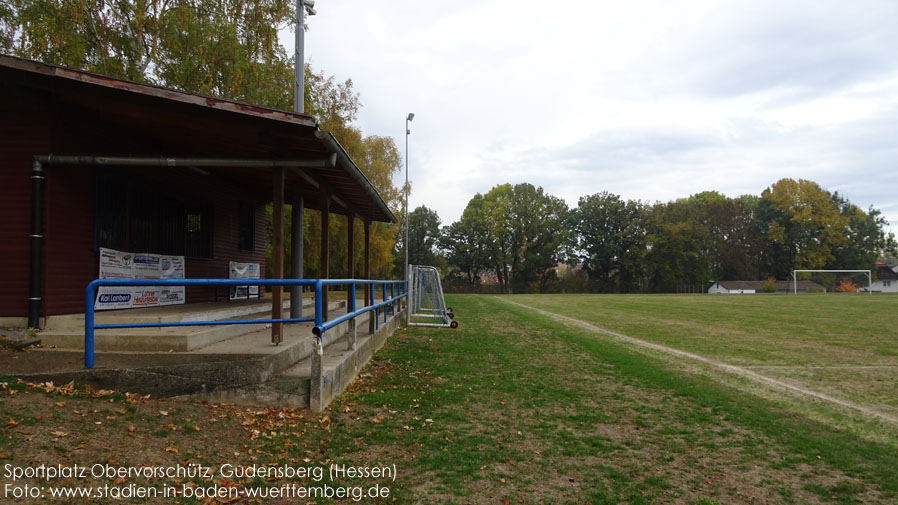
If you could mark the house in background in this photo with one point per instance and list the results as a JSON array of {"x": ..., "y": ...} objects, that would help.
[
  {"x": 751, "y": 287},
  {"x": 886, "y": 278}
]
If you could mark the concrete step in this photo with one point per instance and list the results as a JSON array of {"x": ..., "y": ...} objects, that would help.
[{"x": 65, "y": 334}]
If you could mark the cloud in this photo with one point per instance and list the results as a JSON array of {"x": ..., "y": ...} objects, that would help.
[{"x": 652, "y": 100}]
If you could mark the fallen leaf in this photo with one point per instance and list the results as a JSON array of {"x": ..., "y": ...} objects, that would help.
[
  {"x": 325, "y": 422},
  {"x": 11, "y": 424},
  {"x": 171, "y": 448},
  {"x": 58, "y": 433},
  {"x": 60, "y": 403},
  {"x": 376, "y": 420},
  {"x": 163, "y": 412}
]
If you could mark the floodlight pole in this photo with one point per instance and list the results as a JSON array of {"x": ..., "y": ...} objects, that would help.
[
  {"x": 299, "y": 68},
  {"x": 408, "y": 118}
]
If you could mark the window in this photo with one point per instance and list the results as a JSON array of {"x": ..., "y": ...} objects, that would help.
[
  {"x": 132, "y": 217},
  {"x": 247, "y": 236},
  {"x": 199, "y": 234},
  {"x": 886, "y": 283}
]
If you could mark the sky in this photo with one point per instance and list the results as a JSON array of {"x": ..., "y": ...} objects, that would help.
[{"x": 649, "y": 100}]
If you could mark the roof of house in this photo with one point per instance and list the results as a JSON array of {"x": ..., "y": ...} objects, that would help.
[
  {"x": 758, "y": 285},
  {"x": 886, "y": 273},
  {"x": 208, "y": 127}
]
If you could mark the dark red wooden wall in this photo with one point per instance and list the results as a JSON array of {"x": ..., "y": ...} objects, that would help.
[{"x": 32, "y": 123}]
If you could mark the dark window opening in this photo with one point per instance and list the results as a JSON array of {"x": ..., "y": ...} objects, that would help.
[
  {"x": 199, "y": 234},
  {"x": 137, "y": 219},
  {"x": 247, "y": 235}
]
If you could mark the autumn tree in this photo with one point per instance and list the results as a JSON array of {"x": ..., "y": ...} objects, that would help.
[{"x": 225, "y": 48}]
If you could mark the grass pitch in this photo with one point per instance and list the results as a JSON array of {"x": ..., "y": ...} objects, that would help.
[
  {"x": 845, "y": 346},
  {"x": 517, "y": 407}
]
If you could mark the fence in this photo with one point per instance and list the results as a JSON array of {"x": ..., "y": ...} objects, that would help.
[{"x": 397, "y": 290}]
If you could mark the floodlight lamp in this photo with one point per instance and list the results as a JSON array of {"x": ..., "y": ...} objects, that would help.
[
  {"x": 309, "y": 4},
  {"x": 411, "y": 116}
]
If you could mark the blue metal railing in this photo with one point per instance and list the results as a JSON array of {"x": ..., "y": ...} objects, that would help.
[{"x": 397, "y": 291}]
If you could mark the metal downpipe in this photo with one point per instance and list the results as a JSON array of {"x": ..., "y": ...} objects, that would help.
[{"x": 36, "y": 237}]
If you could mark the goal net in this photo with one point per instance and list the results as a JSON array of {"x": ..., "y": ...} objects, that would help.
[
  {"x": 426, "y": 306},
  {"x": 831, "y": 281}
]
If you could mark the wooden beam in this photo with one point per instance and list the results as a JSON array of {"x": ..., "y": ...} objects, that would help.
[
  {"x": 367, "y": 246},
  {"x": 324, "y": 252},
  {"x": 277, "y": 254},
  {"x": 350, "y": 256},
  {"x": 296, "y": 251}
]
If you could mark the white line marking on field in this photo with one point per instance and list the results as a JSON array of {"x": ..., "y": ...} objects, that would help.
[{"x": 713, "y": 362}]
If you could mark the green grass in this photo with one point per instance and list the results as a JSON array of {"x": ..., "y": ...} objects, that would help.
[
  {"x": 844, "y": 345},
  {"x": 515, "y": 407},
  {"x": 530, "y": 411}
]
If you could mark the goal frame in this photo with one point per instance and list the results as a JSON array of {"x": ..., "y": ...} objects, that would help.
[
  {"x": 436, "y": 314},
  {"x": 868, "y": 272}
]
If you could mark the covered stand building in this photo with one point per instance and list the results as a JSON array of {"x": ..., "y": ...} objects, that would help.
[{"x": 90, "y": 161}]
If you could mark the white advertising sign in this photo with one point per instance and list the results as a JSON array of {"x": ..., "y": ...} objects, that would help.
[
  {"x": 243, "y": 271},
  {"x": 124, "y": 265}
]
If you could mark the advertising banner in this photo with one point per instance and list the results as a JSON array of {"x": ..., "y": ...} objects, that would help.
[
  {"x": 243, "y": 271},
  {"x": 124, "y": 265}
]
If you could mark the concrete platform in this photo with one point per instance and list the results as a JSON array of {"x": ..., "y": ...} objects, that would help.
[
  {"x": 245, "y": 369},
  {"x": 67, "y": 331}
]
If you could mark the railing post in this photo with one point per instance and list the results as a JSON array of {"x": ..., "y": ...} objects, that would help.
[
  {"x": 317, "y": 386},
  {"x": 89, "y": 325},
  {"x": 383, "y": 288},
  {"x": 372, "y": 316},
  {"x": 351, "y": 333}
]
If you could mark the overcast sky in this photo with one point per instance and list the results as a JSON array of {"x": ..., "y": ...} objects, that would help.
[{"x": 651, "y": 100}]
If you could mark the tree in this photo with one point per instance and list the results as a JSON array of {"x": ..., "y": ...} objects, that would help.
[
  {"x": 611, "y": 235},
  {"x": 226, "y": 48},
  {"x": 423, "y": 236},
  {"x": 677, "y": 246},
  {"x": 866, "y": 240},
  {"x": 519, "y": 232},
  {"x": 466, "y": 244},
  {"x": 803, "y": 226}
]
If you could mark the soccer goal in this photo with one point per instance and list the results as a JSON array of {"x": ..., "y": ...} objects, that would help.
[
  {"x": 832, "y": 281},
  {"x": 426, "y": 306}
]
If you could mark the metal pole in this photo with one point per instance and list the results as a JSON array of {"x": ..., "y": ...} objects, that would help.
[
  {"x": 36, "y": 237},
  {"x": 299, "y": 60},
  {"x": 405, "y": 218}
]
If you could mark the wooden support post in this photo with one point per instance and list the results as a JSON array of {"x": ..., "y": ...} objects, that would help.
[
  {"x": 277, "y": 254},
  {"x": 368, "y": 289},
  {"x": 350, "y": 274},
  {"x": 325, "y": 251},
  {"x": 350, "y": 256},
  {"x": 296, "y": 251}
]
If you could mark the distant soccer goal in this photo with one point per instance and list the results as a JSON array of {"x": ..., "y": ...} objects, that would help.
[
  {"x": 426, "y": 306},
  {"x": 832, "y": 281}
]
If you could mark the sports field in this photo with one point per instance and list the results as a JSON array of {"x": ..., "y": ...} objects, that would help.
[{"x": 561, "y": 399}]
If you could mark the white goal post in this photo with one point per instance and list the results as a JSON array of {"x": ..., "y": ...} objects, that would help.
[{"x": 868, "y": 272}]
